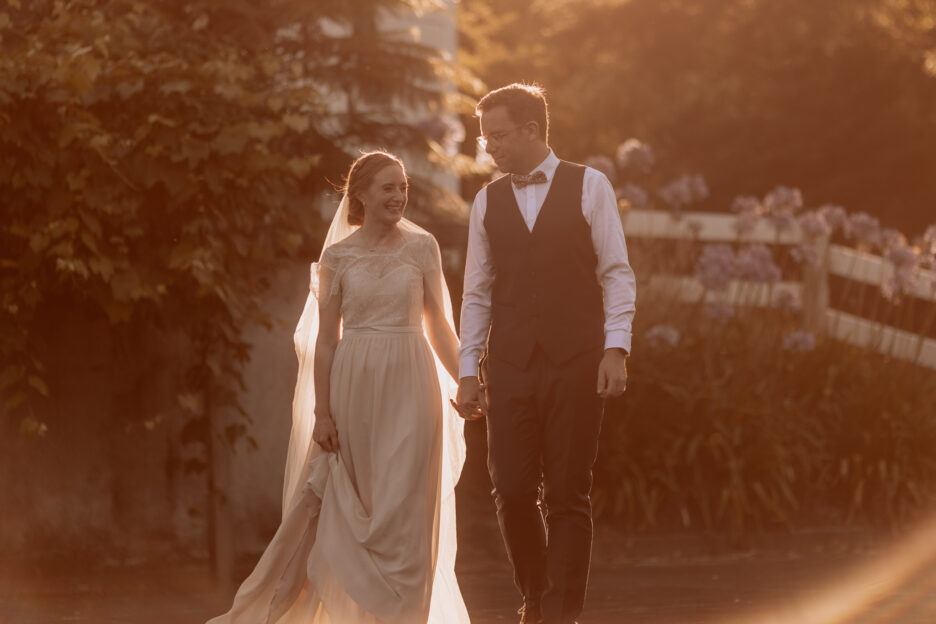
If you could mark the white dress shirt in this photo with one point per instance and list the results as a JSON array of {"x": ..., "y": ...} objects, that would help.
[{"x": 599, "y": 206}]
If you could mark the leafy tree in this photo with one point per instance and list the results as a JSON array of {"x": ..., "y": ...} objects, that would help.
[
  {"x": 158, "y": 162},
  {"x": 831, "y": 97}
]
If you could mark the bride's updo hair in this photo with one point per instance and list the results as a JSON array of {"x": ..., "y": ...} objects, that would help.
[{"x": 360, "y": 176}]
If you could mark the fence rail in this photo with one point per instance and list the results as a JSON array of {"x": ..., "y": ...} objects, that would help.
[{"x": 819, "y": 315}]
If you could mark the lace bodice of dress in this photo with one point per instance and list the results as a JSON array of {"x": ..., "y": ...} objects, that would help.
[{"x": 382, "y": 288}]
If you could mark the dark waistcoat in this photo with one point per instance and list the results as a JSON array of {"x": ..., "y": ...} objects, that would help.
[{"x": 545, "y": 288}]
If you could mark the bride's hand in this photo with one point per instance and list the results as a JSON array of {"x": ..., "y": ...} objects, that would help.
[
  {"x": 325, "y": 434},
  {"x": 470, "y": 402}
]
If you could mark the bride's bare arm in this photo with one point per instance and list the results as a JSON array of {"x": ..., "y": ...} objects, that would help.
[
  {"x": 442, "y": 337},
  {"x": 440, "y": 332},
  {"x": 324, "y": 432}
]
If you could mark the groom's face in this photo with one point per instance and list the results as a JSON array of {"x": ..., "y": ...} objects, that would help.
[{"x": 507, "y": 141}]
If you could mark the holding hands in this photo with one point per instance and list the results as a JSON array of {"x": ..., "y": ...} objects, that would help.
[{"x": 470, "y": 402}]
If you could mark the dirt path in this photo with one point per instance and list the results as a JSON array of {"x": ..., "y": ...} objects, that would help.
[{"x": 646, "y": 580}]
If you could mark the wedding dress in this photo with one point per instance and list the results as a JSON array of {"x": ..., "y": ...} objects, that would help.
[{"x": 368, "y": 533}]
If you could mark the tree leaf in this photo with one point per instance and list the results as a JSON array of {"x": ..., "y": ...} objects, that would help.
[
  {"x": 194, "y": 465},
  {"x": 39, "y": 385},
  {"x": 230, "y": 141},
  {"x": 195, "y": 430},
  {"x": 298, "y": 123},
  {"x": 82, "y": 72},
  {"x": 118, "y": 311},
  {"x": 11, "y": 374},
  {"x": 302, "y": 166},
  {"x": 126, "y": 285},
  {"x": 39, "y": 241},
  {"x": 189, "y": 402},
  {"x": 101, "y": 265},
  {"x": 156, "y": 119},
  {"x": 31, "y": 426},
  {"x": 265, "y": 130},
  {"x": 14, "y": 400},
  {"x": 176, "y": 86},
  {"x": 128, "y": 88},
  {"x": 234, "y": 432}
]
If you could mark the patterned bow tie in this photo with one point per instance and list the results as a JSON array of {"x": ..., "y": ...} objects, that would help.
[{"x": 520, "y": 181}]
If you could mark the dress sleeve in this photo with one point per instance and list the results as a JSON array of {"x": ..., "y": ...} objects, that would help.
[
  {"x": 326, "y": 277},
  {"x": 430, "y": 261}
]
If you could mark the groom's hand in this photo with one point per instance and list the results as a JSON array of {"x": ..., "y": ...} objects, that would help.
[
  {"x": 612, "y": 373},
  {"x": 470, "y": 401}
]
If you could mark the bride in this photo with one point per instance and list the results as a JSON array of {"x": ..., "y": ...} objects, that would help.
[{"x": 368, "y": 527}]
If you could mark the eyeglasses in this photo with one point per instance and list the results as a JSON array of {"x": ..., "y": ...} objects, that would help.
[{"x": 495, "y": 137}]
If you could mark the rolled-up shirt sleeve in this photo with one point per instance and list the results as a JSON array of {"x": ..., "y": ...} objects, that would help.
[
  {"x": 614, "y": 272},
  {"x": 476, "y": 297}
]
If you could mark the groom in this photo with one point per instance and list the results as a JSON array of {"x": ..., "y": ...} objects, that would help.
[{"x": 549, "y": 288}]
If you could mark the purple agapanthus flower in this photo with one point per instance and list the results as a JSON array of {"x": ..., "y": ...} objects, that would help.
[
  {"x": 721, "y": 311},
  {"x": 813, "y": 225},
  {"x": 787, "y": 299},
  {"x": 783, "y": 220},
  {"x": 676, "y": 193},
  {"x": 633, "y": 195},
  {"x": 684, "y": 191},
  {"x": 746, "y": 222},
  {"x": 755, "y": 263},
  {"x": 902, "y": 282},
  {"x": 636, "y": 155},
  {"x": 929, "y": 240},
  {"x": 783, "y": 199},
  {"x": 835, "y": 216},
  {"x": 603, "y": 164},
  {"x": 799, "y": 340},
  {"x": 903, "y": 257},
  {"x": 699, "y": 186},
  {"x": 715, "y": 266},
  {"x": 663, "y": 335},
  {"x": 864, "y": 228},
  {"x": 890, "y": 238},
  {"x": 805, "y": 254},
  {"x": 744, "y": 204},
  {"x": 781, "y": 205}
]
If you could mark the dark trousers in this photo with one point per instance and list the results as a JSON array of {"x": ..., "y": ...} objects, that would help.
[{"x": 543, "y": 425}]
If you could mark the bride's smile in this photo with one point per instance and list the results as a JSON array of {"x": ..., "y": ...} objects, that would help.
[{"x": 385, "y": 198}]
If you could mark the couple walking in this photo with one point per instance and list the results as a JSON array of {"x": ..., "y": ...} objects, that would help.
[{"x": 376, "y": 448}]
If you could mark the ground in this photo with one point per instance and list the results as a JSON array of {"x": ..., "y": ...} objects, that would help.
[
  {"x": 838, "y": 575},
  {"x": 833, "y": 576}
]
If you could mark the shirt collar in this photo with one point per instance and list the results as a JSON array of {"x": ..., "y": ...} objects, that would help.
[{"x": 548, "y": 166}]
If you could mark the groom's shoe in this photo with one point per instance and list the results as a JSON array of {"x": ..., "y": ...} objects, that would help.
[{"x": 530, "y": 613}]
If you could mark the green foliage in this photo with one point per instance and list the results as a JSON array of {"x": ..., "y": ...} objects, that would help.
[
  {"x": 728, "y": 426},
  {"x": 148, "y": 165},
  {"x": 737, "y": 419},
  {"x": 159, "y": 160}
]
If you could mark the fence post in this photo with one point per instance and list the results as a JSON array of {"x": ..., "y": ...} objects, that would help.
[{"x": 816, "y": 288}]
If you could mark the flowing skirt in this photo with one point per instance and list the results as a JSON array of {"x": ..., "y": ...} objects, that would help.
[{"x": 360, "y": 543}]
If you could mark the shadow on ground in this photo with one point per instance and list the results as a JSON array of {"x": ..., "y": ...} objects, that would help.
[
  {"x": 649, "y": 580},
  {"x": 836, "y": 576}
]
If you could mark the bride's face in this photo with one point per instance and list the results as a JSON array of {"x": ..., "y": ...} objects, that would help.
[{"x": 385, "y": 198}]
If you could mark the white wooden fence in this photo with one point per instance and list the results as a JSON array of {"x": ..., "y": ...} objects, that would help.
[{"x": 813, "y": 291}]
